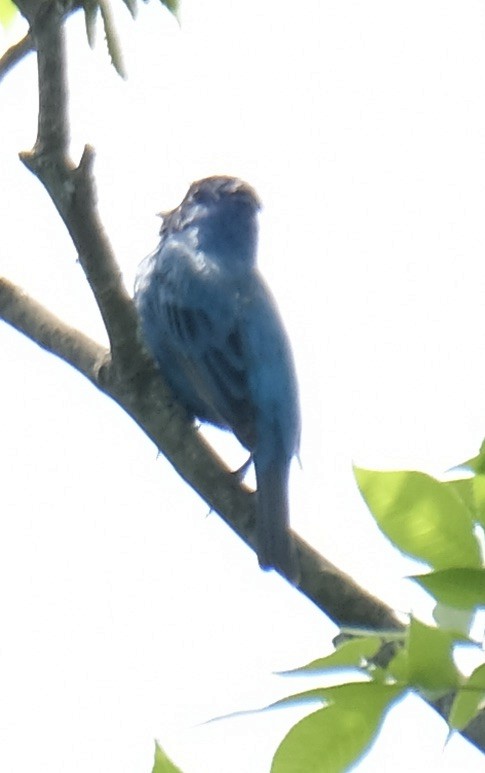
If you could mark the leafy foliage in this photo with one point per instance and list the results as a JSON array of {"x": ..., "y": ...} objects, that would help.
[
  {"x": 343, "y": 730},
  {"x": 469, "y": 699},
  {"x": 436, "y": 522},
  {"x": 339, "y": 733},
  {"x": 353, "y": 712},
  {"x": 423, "y": 517},
  {"x": 459, "y": 587},
  {"x": 114, "y": 48},
  {"x": 91, "y": 9}
]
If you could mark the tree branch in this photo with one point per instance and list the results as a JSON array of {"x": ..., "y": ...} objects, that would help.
[{"x": 33, "y": 320}]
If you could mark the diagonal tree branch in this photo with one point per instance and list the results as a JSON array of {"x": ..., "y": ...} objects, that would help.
[
  {"x": 126, "y": 373},
  {"x": 30, "y": 318}
]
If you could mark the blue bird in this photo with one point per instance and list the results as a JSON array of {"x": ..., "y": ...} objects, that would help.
[{"x": 213, "y": 328}]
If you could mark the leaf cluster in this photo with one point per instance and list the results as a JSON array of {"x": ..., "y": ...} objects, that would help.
[
  {"x": 441, "y": 524},
  {"x": 94, "y": 8}
]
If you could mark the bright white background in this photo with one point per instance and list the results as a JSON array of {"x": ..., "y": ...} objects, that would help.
[{"x": 127, "y": 612}]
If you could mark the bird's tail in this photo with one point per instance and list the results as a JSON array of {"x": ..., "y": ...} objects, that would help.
[{"x": 274, "y": 541}]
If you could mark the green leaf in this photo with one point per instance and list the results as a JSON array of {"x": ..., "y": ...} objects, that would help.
[
  {"x": 472, "y": 492},
  {"x": 430, "y": 658},
  {"x": 421, "y": 516},
  {"x": 464, "y": 488},
  {"x": 132, "y": 7},
  {"x": 332, "y": 738},
  {"x": 398, "y": 667},
  {"x": 8, "y": 12},
  {"x": 91, "y": 8},
  {"x": 351, "y": 654},
  {"x": 476, "y": 463},
  {"x": 478, "y": 483},
  {"x": 468, "y": 700},
  {"x": 162, "y": 763},
  {"x": 315, "y": 695},
  {"x": 461, "y": 588},
  {"x": 171, "y": 5},
  {"x": 306, "y": 696},
  {"x": 453, "y": 619},
  {"x": 112, "y": 42}
]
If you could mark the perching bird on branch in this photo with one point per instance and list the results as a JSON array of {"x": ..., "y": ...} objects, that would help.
[{"x": 213, "y": 328}]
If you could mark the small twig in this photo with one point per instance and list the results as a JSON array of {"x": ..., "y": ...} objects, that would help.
[
  {"x": 15, "y": 54},
  {"x": 72, "y": 191}
]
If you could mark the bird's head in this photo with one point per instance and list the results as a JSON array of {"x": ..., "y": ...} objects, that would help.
[
  {"x": 222, "y": 213},
  {"x": 220, "y": 189}
]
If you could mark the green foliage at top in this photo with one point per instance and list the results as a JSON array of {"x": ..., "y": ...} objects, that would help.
[
  {"x": 91, "y": 10},
  {"x": 8, "y": 12},
  {"x": 171, "y": 5}
]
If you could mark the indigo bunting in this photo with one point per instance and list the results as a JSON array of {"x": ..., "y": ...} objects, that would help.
[{"x": 213, "y": 328}]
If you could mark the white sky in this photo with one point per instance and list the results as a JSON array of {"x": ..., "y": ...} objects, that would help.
[{"x": 127, "y": 613}]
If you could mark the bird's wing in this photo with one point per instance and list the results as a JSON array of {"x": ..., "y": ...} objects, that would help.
[
  {"x": 198, "y": 310},
  {"x": 273, "y": 383}
]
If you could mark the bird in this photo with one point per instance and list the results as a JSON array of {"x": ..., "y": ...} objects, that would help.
[{"x": 213, "y": 329}]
